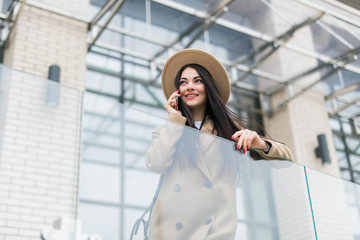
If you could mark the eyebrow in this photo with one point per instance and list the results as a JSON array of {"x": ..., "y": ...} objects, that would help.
[{"x": 193, "y": 78}]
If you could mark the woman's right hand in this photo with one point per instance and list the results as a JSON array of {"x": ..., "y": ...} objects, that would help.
[{"x": 171, "y": 104}]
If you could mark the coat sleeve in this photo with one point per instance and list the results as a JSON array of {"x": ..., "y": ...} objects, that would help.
[
  {"x": 159, "y": 156},
  {"x": 278, "y": 151}
]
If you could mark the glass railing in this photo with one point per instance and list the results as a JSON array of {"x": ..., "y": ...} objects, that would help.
[
  {"x": 208, "y": 188},
  {"x": 39, "y": 154}
]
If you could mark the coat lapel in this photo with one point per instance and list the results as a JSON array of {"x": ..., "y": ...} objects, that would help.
[{"x": 206, "y": 142}]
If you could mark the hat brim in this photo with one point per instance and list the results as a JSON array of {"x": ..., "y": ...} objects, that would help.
[{"x": 189, "y": 56}]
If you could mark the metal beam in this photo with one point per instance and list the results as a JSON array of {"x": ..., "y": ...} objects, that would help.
[
  {"x": 340, "y": 99},
  {"x": 337, "y": 62},
  {"x": 234, "y": 27},
  {"x": 219, "y": 11},
  {"x": 343, "y": 107},
  {"x": 343, "y": 91},
  {"x": 278, "y": 87},
  {"x": 275, "y": 44},
  {"x": 272, "y": 111},
  {"x": 122, "y": 50},
  {"x": 153, "y": 95},
  {"x": 320, "y": 57},
  {"x": 121, "y": 75},
  {"x": 279, "y": 39},
  {"x": 12, "y": 17},
  {"x": 128, "y": 100},
  {"x": 100, "y": 14},
  {"x": 256, "y": 34},
  {"x": 135, "y": 35},
  {"x": 116, "y": 7},
  {"x": 152, "y": 82},
  {"x": 271, "y": 43},
  {"x": 193, "y": 27},
  {"x": 328, "y": 74},
  {"x": 145, "y": 84},
  {"x": 329, "y": 12}
]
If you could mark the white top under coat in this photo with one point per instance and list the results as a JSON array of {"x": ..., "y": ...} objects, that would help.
[{"x": 198, "y": 124}]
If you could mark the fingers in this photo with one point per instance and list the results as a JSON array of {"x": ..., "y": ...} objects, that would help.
[
  {"x": 172, "y": 103},
  {"x": 251, "y": 136},
  {"x": 244, "y": 139}
]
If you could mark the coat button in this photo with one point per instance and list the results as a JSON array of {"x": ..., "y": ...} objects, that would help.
[
  {"x": 208, "y": 221},
  {"x": 208, "y": 184},
  {"x": 179, "y": 226},
  {"x": 177, "y": 187}
]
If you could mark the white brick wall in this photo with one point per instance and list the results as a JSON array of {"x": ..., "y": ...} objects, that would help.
[
  {"x": 39, "y": 156},
  {"x": 41, "y": 38},
  {"x": 39, "y": 145},
  {"x": 76, "y": 7}
]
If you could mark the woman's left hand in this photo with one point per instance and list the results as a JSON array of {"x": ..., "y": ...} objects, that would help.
[{"x": 246, "y": 138}]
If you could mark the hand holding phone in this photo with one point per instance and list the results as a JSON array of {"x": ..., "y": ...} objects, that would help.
[
  {"x": 177, "y": 102},
  {"x": 172, "y": 103}
]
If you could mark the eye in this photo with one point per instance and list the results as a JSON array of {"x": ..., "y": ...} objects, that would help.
[
  {"x": 199, "y": 80},
  {"x": 182, "y": 82}
]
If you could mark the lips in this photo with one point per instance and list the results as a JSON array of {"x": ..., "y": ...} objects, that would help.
[{"x": 190, "y": 96}]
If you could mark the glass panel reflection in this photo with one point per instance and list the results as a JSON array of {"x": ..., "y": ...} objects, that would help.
[
  {"x": 39, "y": 136},
  {"x": 99, "y": 182},
  {"x": 336, "y": 205},
  {"x": 212, "y": 178},
  {"x": 100, "y": 219}
]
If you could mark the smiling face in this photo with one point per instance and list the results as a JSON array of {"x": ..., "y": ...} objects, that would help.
[{"x": 193, "y": 91}]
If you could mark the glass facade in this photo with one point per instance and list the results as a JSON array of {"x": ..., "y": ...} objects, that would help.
[
  {"x": 39, "y": 131},
  {"x": 274, "y": 199},
  {"x": 39, "y": 149},
  {"x": 265, "y": 46},
  {"x": 126, "y": 60},
  {"x": 250, "y": 38}
]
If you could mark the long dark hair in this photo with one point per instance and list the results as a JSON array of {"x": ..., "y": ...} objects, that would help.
[{"x": 226, "y": 122}]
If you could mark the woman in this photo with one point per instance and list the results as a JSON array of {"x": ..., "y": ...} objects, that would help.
[{"x": 197, "y": 199}]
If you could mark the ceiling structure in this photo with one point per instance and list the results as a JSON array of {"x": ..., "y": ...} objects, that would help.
[
  {"x": 144, "y": 33},
  {"x": 352, "y": 3},
  {"x": 335, "y": 26}
]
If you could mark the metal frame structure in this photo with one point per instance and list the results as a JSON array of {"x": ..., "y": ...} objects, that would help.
[
  {"x": 206, "y": 19},
  {"x": 239, "y": 69}
]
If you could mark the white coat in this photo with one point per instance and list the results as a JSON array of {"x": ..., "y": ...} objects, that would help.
[{"x": 196, "y": 201}]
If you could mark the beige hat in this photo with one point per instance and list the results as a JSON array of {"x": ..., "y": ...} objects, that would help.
[{"x": 189, "y": 56}]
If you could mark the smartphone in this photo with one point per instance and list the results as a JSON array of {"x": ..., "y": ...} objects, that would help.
[{"x": 177, "y": 103}]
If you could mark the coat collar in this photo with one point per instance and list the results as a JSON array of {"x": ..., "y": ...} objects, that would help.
[{"x": 208, "y": 126}]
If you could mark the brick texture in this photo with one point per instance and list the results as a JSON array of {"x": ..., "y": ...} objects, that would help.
[
  {"x": 39, "y": 144},
  {"x": 41, "y": 38},
  {"x": 39, "y": 157}
]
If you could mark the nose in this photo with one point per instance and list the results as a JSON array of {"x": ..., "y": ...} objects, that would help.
[{"x": 190, "y": 86}]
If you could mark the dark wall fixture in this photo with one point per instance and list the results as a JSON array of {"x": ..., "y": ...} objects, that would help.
[
  {"x": 53, "y": 88},
  {"x": 322, "y": 150}
]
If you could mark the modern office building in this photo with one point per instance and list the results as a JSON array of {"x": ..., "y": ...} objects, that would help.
[{"x": 72, "y": 148}]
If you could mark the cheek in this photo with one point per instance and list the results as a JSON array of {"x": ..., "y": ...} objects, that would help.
[
  {"x": 202, "y": 89},
  {"x": 204, "y": 93},
  {"x": 182, "y": 89}
]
